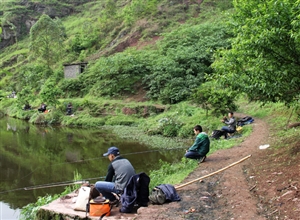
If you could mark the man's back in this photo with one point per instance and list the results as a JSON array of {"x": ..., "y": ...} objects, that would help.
[{"x": 123, "y": 171}]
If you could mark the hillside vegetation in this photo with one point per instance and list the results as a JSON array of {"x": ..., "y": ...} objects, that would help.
[
  {"x": 161, "y": 51},
  {"x": 146, "y": 58},
  {"x": 157, "y": 65},
  {"x": 168, "y": 71}
]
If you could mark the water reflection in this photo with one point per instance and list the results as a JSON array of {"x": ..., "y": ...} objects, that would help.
[
  {"x": 32, "y": 155},
  {"x": 6, "y": 213}
]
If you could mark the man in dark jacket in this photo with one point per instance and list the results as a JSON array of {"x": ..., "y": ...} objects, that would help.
[
  {"x": 200, "y": 147},
  {"x": 120, "y": 170}
]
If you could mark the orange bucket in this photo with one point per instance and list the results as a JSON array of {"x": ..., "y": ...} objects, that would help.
[{"x": 100, "y": 209}]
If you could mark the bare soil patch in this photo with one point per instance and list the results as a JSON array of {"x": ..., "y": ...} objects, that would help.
[
  {"x": 223, "y": 196},
  {"x": 266, "y": 186},
  {"x": 276, "y": 183}
]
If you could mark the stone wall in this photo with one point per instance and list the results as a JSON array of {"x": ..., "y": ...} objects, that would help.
[{"x": 72, "y": 71}]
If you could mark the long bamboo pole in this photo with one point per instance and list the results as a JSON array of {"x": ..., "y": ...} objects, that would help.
[{"x": 218, "y": 171}]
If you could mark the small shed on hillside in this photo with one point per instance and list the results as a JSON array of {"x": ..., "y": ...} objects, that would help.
[{"x": 73, "y": 70}]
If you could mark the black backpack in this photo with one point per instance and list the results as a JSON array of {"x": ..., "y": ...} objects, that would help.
[
  {"x": 245, "y": 120},
  {"x": 216, "y": 134}
]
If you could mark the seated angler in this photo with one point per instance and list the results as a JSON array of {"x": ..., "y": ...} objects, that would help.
[
  {"x": 43, "y": 107},
  {"x": 69, "y": 108},
  {"x": 231, "y": 125},
  {"x": 119, "y": 172}
]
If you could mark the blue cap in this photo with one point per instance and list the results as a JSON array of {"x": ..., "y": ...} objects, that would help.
[{"x": 112, "y": 150}]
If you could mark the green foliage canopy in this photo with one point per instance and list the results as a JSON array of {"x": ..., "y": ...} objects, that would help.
[
  {"x": 50, "y": 92},
  {"x": 211, "y": 96},
  {"x": 169, "y": 73},
  {"x": 264, "y": 59},
  {"x": 46, "y": 40},
  {"x": 116, "y": 75},
  {"x": 184, "y": 57},
  {"x": 33, "y": 75}
]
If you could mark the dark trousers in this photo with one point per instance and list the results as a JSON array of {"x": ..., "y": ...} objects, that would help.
[
  {"x": 193, "y": 155},
  {"x": 227, "y": 130},
  {"x": 69, "y": 111},
  {"x": 41, "y": 109}
]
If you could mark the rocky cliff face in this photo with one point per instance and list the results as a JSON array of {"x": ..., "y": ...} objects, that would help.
[
  {"x": 7, "y": 36},
  {"x": 24, "y": 15}
]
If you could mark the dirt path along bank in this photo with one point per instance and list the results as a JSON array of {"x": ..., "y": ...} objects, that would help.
[{"x": 225, "y": 195}]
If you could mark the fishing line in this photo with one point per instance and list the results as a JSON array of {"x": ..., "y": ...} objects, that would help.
[
  {"x": 49, "y": 185},
  {"x": 97, "y": 158},
  {"x": 65, "y": 183}
]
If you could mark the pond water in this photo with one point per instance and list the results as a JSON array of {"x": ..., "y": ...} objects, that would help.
[{"x": 34, "y": 156}]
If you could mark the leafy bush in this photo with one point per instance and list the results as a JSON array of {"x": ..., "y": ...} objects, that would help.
[
  {"x": 50, "y": 92},
  {"x": 185, "y": 131},
  {"x": 115, "y": 75},
  {"x": 33, "y": 76},
  {"x": 53, "y": 117},
  {"x": 25, "y": 96},
  {"x": 183, "y": 58},
  {"x": 169, "y": 73},
  {"x": 167, "y": 126},
  {"x": 72, "y": 88},
  {"x": 212, "y": 97},
  {"x": 38, "y": 118},
  {"x": 29, "y": 211}
]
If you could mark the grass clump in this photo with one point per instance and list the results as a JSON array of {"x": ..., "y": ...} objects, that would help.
[
  {"x": 30, "y": 211},
  {"x": 171, "y": 173}
]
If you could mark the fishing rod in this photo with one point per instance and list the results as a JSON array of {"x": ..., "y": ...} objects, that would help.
[
  {"x": 49, "y": 185},
  {"x": 97, "y": 158},
  {"x": 54, "y": 185}
]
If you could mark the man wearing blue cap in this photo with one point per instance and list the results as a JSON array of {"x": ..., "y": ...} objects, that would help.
[{"x": 119, "y": 172}]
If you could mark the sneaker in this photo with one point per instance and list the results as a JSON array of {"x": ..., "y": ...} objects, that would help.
[
  {"x": 114, "y": 203},
  {"x": 201, "y": 159}
]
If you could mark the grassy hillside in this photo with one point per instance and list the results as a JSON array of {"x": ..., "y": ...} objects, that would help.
[
  {"x": 147, "y": 62},
  {"x": 94, "y": 30}
]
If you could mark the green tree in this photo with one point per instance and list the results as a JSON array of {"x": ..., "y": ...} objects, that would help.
[
  {"x": 264, "y": 61},
  {"x": 184, "y": 57},
  {"x": 46, "y": 40},
  {"x": 216, "y": 98},
  {"x": 50, "y": 92},
  {"x": 33, "y": 75},
  {"x": 25, "y": 96}
]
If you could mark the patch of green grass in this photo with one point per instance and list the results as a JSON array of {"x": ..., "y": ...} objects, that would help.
[
  {"x": 82, "y": 120},
  {"x": 30, "y": 211},
  {"x": 172, "y": 173},
  {"x": 120, "y": 120},
  {"x": 157, "y": 141}
]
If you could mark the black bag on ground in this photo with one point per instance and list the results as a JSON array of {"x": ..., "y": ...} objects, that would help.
[
  {"x": 245, "y": 120},
  {"x": 216, "y": 134}
]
